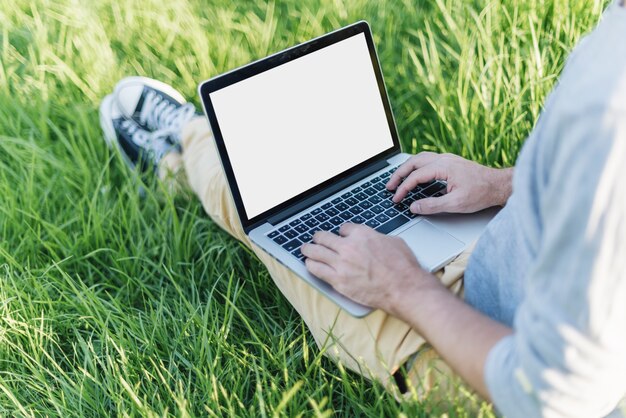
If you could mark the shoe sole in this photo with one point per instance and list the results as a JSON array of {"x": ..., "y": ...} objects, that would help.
[{"x": 150, "y": 82}]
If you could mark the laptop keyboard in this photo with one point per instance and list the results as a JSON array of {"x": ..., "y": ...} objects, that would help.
[{"x": 369, "y": 203}]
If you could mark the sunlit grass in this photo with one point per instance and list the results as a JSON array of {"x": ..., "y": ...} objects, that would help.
[{"x": 116, "y": 304}]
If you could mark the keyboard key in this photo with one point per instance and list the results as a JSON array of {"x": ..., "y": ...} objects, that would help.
[
  {"x": 346, "y": 215},
  {"x": 273, "y": 234},
  {"x": 335, "y": 230},
  {"x": 379, "y": 186},
  {"x": 342, "y": 206},
  {"x": 316, "y": 211},
  {"x": 386, "y": 204},
  {"x": 283, "y": 228},
  {"x": 291, "y": 234},
  {"x": 312, "y": 222},
  {"x": 357, "y": 220},
  {"x": 305, "y": 237},
  {"x": 346, "y": 195},
  {"x": 377, "y": 209},
  {"x": 336, "y": 220},
  {"x": 366, "y": 204},
  {"x": 356, "y": 190},
  {"x": 375, "y": 199},
  {"x": 438, "y": 194},
  {"x": 370, "y": 191},
  {"x": 391, "y": 212},
  {"x": 327, "y": 205},
  {"x": 392, "y": 224},
  {"x": 366, "y": 185},
  {"x": 368, "y": 214},
  {"x": 326, "y": 226},
  {"x": 356, "y": 210},
  {"x": 401, "y": 206},
  {"x": 292, "y": 245},
  {"x": 296, "y": 222},
  {"x": 382, "y": 218},
  {"x": 301, "y": 228},
  {"x": 305, "y": 217},
  {"x": 314, "y": 230},
  {"x": 385, "y": 194},
  {"x": 332, "y": 212},
  {"x": 372, "y": 223},
  {"x": 322, "y": 217},
  {"x": 433, "y": 188},
  {"x": 280, "y": 240},
  {"x": 335, "y": 201},
  {"x": 298, "y": 254},
  {"x": 361, "y": 196},
  {"x": 351, "y": 201}
]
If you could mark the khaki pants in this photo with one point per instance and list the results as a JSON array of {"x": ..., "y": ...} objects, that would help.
[{"x": 375, "y": 346}]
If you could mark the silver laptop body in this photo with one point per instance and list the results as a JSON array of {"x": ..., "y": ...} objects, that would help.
[{"x": 306, "y": 131}]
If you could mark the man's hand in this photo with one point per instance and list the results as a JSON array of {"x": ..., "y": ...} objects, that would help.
[
  {"x": 368, "y": 267},
  {"x": 471, "y": 186}
]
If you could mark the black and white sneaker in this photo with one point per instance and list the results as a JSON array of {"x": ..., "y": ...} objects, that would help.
[
  {"x": 140, "y": 148},
  {"x": 153, "y": 105}
]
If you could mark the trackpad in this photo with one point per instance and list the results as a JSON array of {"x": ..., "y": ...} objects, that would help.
[{"x": 432, "y": 246}]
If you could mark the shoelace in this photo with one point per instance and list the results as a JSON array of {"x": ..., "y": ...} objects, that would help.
[
  {"x": 157, "y": 113},
  {"x": 155, "y": 144}
]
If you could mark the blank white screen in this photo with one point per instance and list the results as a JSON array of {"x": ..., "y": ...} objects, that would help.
[{"x": 295, "y": 126}]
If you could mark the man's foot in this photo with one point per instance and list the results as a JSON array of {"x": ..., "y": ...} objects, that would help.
[
  {"x": 153, "y": 105},
  {"x": 140, "y": 148}
]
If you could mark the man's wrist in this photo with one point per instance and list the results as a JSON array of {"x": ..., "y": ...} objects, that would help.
[
  {"x": 415, "y": 287},
  {"x": 501, "y": 185}
]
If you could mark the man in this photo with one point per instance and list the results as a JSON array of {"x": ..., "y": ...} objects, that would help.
[{"x": 542, "y": 327}]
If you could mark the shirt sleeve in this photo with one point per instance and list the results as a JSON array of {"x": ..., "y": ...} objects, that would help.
[{"x": 567, "y": 356}]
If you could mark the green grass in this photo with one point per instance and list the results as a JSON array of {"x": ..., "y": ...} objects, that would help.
[{"x": 116, "y": 304}]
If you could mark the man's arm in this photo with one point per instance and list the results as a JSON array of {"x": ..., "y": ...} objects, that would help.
[
  {"x": 462, "y": 336},
  {"x": 381, "y": 272},
  {"x": 471, "y": 186}
]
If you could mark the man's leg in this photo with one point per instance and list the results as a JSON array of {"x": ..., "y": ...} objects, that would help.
[{"x": 375, "y": 346}]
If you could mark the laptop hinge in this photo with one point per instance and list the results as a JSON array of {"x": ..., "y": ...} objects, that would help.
[{"x": 328, "y": 191}]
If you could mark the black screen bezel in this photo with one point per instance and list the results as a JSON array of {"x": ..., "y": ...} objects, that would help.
[{"x": 265, "y": 64}]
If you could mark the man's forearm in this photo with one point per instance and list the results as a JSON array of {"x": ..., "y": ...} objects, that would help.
[{"x": 461, "y": 335}]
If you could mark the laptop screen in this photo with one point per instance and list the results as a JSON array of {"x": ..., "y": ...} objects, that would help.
[{"x": 290, "y": 128}]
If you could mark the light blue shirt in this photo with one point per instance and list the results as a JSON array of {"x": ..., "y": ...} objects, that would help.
[{"x": 552, "y": 263}]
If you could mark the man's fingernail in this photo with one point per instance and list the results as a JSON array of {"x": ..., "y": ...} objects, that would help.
[{"x": 415, "y": 207}]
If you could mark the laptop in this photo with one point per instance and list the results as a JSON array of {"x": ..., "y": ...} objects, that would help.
[{"x": 307, "y": 140}]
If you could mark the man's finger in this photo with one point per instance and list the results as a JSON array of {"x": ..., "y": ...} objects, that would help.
[
  {"x": 413, "y": 163},
  {"x": 321, "y": 270},
  {"x": 431, "y": 205},
  {"x": 319, "y": 253},
  {"x": 349, "y": 227},
  {"x": 327, "y": 239},
  {"x": 422, "y": 175}
]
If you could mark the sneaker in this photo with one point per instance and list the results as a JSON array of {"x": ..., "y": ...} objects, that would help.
[
  {"x": 140, "y": 148},
  {"x": 154, "y": 105}
]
